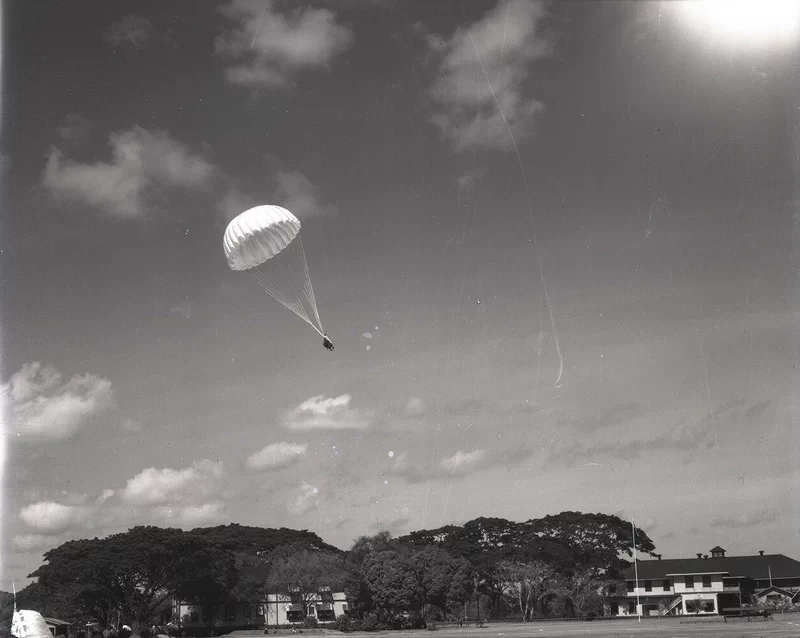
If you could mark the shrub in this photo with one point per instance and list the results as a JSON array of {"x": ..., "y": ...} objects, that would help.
[
  {"x": 342, "y": 623},
  {"x": 310, "y": 622}
]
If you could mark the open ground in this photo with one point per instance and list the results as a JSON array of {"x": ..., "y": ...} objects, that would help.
[{"x": 787, "y": 627}]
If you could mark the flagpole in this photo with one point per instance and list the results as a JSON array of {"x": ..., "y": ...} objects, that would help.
[{"x": 636, "y": 572}]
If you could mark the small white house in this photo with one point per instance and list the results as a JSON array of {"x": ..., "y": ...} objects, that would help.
[{"x": 274, "y": 609}]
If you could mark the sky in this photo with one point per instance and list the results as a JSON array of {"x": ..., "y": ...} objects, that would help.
[{"x": 553, "y": 244}]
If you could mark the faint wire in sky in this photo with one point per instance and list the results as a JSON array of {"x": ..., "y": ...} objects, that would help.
[{"x": 530, "y": 212}]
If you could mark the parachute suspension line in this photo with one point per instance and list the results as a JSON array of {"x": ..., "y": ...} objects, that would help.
[
  {"x": 285, "y": 277},
  {"x": 309, "y": 288},
  {"x": 274, "y": 291},
  {"x": 530, "y": 212}
]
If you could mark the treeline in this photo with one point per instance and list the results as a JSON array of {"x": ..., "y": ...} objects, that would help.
[{"x": 556, "y": 565}]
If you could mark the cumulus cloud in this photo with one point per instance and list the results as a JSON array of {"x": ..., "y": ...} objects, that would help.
[
  {"x": 415, "y": 407},
  {"x": 308, "y": 499},
  {"x": 162, "y": 486},
  {"x": 276, "y": 455},
  {"x": 499, "y": 47},
  {"x": 746, "y": 519},
  {"x": 41, "y": 404},
  {"x": 186, "y": 498},
  {"x": 268, "y": 45},
  {"x": 235, "y": 202},
  {"x": 32, "y": 542},
  {"x": 606, "y": 417},
  {"x": 459, "y": 464},
  {"x": 191, "y": 515},
  {"x": 299, "y": 195},
  {"x": 463, "y": 462},
  {"x": 131, "y": 31},
  {"x": 144, "y": 164},
  {"x": 131, "y": 426},
  {"x": 321, "y": 413},
  {"x": 685, "y": 436},
  {"x": 48, "y": 517}
]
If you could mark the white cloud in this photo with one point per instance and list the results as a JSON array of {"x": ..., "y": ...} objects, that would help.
[
  {"x": 49, "y": 518},
  {"x": 269, "y": 45},
  {"x": 307, "y": 500},
  {"x": 507, "y": 43},
  {"x": 415, "y": 407},
  {"x": 276, "y": 455},
  {"x": 42, "y": 405},
  {"x": 132, "y": 426},
  {"x": 132, "y": 31},
  {"x": 462, "y": 462},
  {"x": 163, "y": 486},
  {"x": 321, "y": 413},
  {"x": 298, "y": 195},
  {"x": 763, "y": 516},
  {"x": 235, "y": 202},
  {"x": 143, "y": 164},
  {"x": 107, "y": 494},
  {"x": 191, "y": 515},
  {"x": 32, "y": 542}
]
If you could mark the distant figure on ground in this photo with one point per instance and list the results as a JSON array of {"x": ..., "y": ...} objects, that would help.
[{"x": 327, "y": 342}]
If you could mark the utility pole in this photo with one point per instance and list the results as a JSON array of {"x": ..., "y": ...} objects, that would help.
[{"x": 636, "y": 573}]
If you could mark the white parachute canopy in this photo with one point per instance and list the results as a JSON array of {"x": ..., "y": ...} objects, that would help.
[
  {"x": 265, "y": 241},
  {"x": 29, "y": 624}
]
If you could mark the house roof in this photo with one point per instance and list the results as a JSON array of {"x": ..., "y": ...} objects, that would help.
[
  {"x": 756, "y": 567},
  {"x": 56, "y": 622},
  {"x": 779, "y": 590}
]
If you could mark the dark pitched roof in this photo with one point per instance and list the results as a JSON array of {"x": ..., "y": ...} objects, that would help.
[
  {"x": 757, "y": 567},
  {"x": 717, "y": 549},
  {"x": 780, "y": 590}
]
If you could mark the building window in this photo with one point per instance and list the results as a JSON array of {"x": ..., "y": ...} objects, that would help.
[
  {"x": 295, "y": 616},
  {"x": 326, "y": 615},
  {"x": 706, "y": 581},
  {"x": 648, "y": 585},
  {"x": 667, "y": 586},
  {"x": 260, "y": 610},
  {"x": 629, "y": 585},
  {"x": 615, "y": 609},
  {"x": 689, "y": 582},
  {"x": 631, "y": 607}
]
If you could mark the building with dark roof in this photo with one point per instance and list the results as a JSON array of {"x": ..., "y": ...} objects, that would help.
[{"x": 705, "y": 584}]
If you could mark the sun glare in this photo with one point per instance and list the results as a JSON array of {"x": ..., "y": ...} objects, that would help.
[{"x": 743, "y": 22}]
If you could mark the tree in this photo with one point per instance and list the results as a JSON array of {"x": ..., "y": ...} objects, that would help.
[
  {"x": 526, "y": 584},
  {"x": 132, "y": 574},
  {"x": 445, "y": 581},
  {"x": 392, "y": 582},
  {"x": 595, "y": 541},
  {"x": 582, "y": 589},
  {"x": 204, "y": 574},
  {"x": 305, "y": 574}
]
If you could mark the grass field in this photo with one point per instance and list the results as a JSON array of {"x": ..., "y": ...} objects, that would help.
[{"x": 788, "y": 627}]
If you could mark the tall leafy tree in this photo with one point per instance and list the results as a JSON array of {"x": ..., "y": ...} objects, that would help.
[
  {"x": 526, "y": 584},
  {"x": 393, "y": 582},
  {"x": 595, "y": 541}
]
